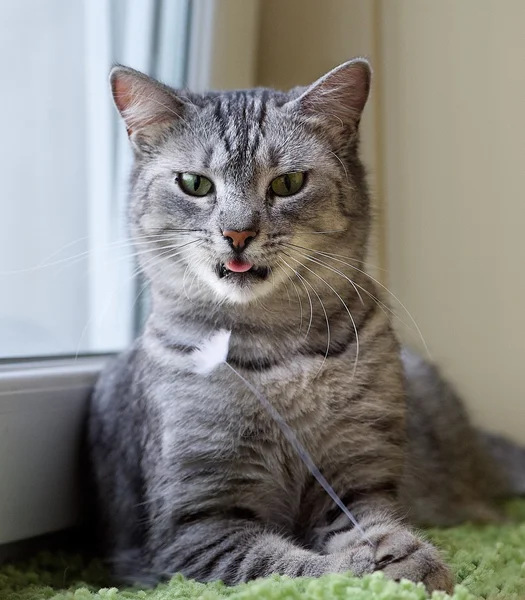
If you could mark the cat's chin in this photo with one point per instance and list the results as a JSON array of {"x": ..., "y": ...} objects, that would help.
[
  {"x": 242, "y": 289},
  {"x": 240, "y": 286}
]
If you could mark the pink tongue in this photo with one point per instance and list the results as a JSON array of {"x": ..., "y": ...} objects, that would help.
[{"x": 238, "y": 266}]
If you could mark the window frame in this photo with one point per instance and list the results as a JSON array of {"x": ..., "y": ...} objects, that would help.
[{"x": 46, "y": 398}]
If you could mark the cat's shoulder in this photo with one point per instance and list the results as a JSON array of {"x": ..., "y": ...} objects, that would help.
[{"x": 118, "y": 376}]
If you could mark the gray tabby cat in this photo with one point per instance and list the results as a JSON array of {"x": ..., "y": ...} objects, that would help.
[{"x": 250, "y": 212}]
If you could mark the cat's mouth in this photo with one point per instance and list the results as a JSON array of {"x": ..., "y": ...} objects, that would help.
[{"x": 241, "y": 270}]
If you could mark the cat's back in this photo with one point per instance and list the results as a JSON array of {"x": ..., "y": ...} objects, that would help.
[
  {"x": 449, "y": 477},
  {"x": 116, "y": 438},
  {"x": 114, "y": 420}
]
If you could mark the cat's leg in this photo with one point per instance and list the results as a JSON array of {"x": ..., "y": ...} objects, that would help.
[
  {"x": 237, "y": 550},
  {"x": 397, "y": 551}
]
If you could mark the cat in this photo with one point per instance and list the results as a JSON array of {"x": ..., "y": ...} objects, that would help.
[{"x": 250, "y": 212}]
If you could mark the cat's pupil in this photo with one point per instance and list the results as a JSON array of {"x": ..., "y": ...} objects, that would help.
[
  {"x": 196, "y": 182},
  {"x": 287, "y": 182}
]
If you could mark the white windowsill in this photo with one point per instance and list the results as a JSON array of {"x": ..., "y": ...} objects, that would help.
[{"x": 42, "y": 406}]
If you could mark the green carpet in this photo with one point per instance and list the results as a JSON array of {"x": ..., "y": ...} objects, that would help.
[{"x": 489, "y": 562}]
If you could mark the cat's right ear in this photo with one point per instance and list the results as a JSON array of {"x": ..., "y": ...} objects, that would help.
[
  {"x": 341, "y": 93},
  {"x": 146, "y": 105}
]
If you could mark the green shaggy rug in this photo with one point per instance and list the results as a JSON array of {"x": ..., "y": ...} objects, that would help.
[{"x": 489, "y": 562}]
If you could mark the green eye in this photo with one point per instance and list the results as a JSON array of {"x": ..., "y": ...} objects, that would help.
[
  {"x": 287, "y": 184},
  {"x": 194, "y": 185}
]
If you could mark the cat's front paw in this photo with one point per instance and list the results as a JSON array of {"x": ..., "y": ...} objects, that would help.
[
  {"x": 395, "y": 550},
  {"x": 402, "y": 555}
]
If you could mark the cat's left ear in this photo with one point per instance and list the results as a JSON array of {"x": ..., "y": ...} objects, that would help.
[
  {"x": 341, "y": 93},
  {"x": 147, "y": 106}
]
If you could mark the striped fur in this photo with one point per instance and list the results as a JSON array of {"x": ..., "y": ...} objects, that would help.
[{"x": 190, "y": 473}]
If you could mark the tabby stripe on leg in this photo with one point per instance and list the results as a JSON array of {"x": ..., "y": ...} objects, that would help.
[
  {"x": 200, "y": 552},
  {"x": 258, "y": 568},
  {"x": 211, "y": 562}
]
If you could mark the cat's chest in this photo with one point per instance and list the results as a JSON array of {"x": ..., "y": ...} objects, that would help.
[
  {"x": 217, "y": 430},
  {"x": 241, "y": 417}
]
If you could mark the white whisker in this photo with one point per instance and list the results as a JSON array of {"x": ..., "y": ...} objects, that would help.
[
  {"x": 328, "y": 231},
  {"x": 138, "y": 270},
  {"x": 343, "y": 165},
  {"x": 331, "y": 256},
  {"x": 298, "y": 296},
  {"x": 344, "y": 304},
  {"x": 327, "y": 320},
  {"x": 72, "y": 260},
  {"x": 323, "y": 264},
  {"x": 384, "y": 307},
  {"x": 186, "y": 270},
  {"x": 307, "y": 293}
]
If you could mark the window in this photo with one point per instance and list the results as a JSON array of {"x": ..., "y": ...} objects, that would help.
[
  {"x": 67, "y": 282},
  {"x": 67, "y": 273}
]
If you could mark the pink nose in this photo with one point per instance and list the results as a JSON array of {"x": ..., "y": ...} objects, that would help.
[{"x": 239, "y": 239}]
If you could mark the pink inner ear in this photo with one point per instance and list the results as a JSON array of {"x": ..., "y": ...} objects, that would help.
[
  {"x": 342, "y": 92},
  {"x": 356, "y": 80},
  {"x": 122, "y": 94},
  {"x": 141, "y": 101}
]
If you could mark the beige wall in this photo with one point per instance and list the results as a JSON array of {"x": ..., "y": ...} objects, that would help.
[
  {"x": 445, "y": 136},
  {"x": 234, "y": 63},
  {"x": 223, "y": 44},
  {"x": 454, "y": 146}
]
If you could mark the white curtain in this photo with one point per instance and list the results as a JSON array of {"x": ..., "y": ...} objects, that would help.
[{"x": 151, "y": 36}]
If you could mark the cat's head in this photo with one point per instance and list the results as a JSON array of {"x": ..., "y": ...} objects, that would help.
[{"x": 231, "y": 188}]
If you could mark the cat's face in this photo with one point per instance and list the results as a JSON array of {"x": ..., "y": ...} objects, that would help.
[{"x": 228, "y": 187}]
